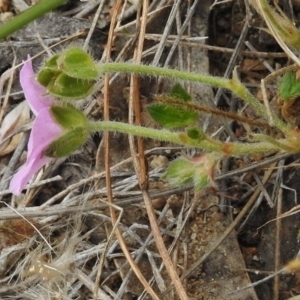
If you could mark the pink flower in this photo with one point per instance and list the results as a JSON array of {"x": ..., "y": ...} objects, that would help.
[{"x": 44, "y": 129}]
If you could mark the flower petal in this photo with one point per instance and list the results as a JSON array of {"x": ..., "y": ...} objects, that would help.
[
  {"x": 21, "y": 178},
  {"x": 35, "y": 94},
  {"x": 44, "y": 132}
]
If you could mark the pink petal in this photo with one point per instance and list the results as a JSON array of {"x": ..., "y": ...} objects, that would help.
[
  {"x": 35, "y": 94},
  {"x": 21, "y": 178},
  {"x": 44, "y": 132}
]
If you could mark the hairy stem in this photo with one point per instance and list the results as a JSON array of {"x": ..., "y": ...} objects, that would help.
[
  {"x": 234, "y": 85},
  {"x": 181, "y": 138},
  {"x": 28, "y": 16}
]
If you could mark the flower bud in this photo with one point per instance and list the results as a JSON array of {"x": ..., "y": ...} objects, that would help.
[
  {"x": 71, "y": 74},
  {"x": 198, "y": 170}
]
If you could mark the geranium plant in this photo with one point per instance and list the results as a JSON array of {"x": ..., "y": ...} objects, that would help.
[{"x": 59, "y": 128}]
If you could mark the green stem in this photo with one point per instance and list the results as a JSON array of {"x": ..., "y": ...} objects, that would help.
[
  {"x": 276, "y": 143},
  {"x": 234, "y": 85},
  {"x": 132, "y": 68},
  {"x": 28, "y": 16},
  {"x": 244, "y": 94},
  {"x": 181, "y": 138}
]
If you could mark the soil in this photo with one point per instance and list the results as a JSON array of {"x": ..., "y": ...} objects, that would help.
[{"x": 61, "y": 243}]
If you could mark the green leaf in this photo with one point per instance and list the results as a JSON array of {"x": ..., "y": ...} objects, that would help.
[
  {"x": 69, "y": 87},
  {"x": 180, "y": 93},
  {"x": 68, "y": 143},
  {"x": 289, "y": 86},
  {"x": 78, "y": 64},
  {"x": 68, "y": 116},
  {"x": 171, "y": 116}
]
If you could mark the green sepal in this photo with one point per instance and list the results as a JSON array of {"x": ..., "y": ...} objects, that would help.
[
  {"x": 68, "y": 143},
  {"x": 70, "y": 88},
  {"x": 49, "y": 71},
  {"x": 45, "y": 76},
  {"x": 199, "y": 171},
  {"x": 196, "y": 134},
  {"x": 289, "y": 86},
  {"x": 171, "y": 116},
  {"x": 180, "y": 171},
  {"x": 52, "y": 63},
  {"x": 68, "y": 117},
  {"x": 180, "y": 93},
  {"x": 78, "y": 64},
  {"x": 200, "y": 179}
]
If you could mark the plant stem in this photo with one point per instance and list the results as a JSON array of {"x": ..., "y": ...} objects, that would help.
[
  {"x": 276, "y": 143},
  {"x": 181, "y": 138},
  {"x": 163, "y": 72},
  {"x": 234, "y": 85},
  {"x": 28, "y": 16},
  {"x": 241, "y": 91}
]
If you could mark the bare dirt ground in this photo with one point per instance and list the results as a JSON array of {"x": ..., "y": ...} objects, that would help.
[{"x": 66, "y": 238}]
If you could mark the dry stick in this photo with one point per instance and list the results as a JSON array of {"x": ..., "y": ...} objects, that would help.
[
  {"x": 123, "y": 28},
  {"x": 166, "y": 32},
  {"x": 139, "y": 161},
  {"x": 107, "y": 160},
  {"x": 86, "y": 281},
  {"x": 189, "y": 15},
  {"x": 157, "y": 37},
  {"x": 9, "y": 85},
  {"x": 102, "y": 259},
  {"x": 12, "y": 163},
  {"x": 180, "y": 48},
  {"x": 104, "y": 252},
  {"x": 278, "y": 243},
  {"x": 228, "y": 230},
  {"x": 93, "y": 26},
  {"x": 145, "y": 245},
  {"x": 175, "y": 251},
  {"x": 134, "y": 106},
  {"x": 283, "y": 270},
  {"x": 42, "y": 182}
]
